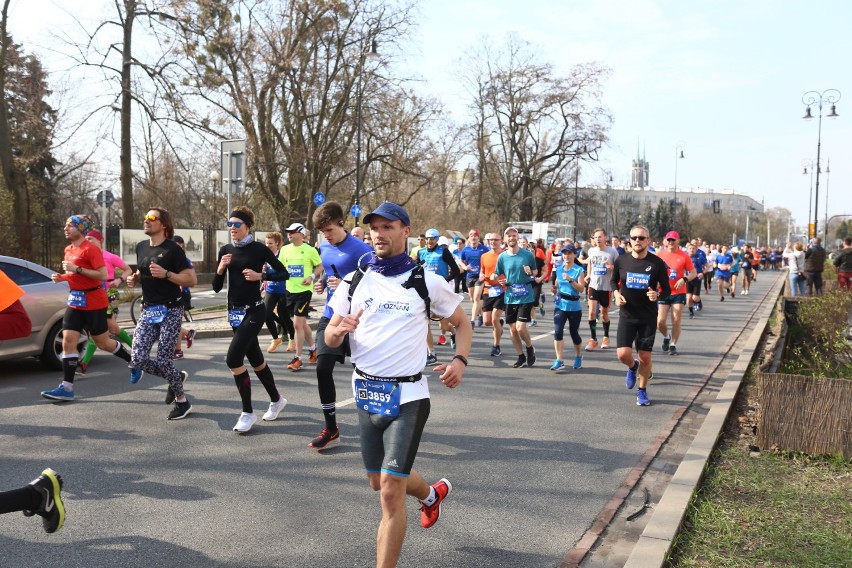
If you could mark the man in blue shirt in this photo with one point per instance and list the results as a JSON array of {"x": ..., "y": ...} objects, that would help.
[
  {"x": 470, "y": 256},
  {"x": 517, "y": 265},
  {"x": 340, "y": 255},
  {"x": 724, "y": 260},
  {"x": 438, "y": 260}
]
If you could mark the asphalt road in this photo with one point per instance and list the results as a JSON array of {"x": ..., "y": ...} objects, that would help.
[{"x": 533, "y": 457}]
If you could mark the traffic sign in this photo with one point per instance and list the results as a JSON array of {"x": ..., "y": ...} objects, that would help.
[
  {"x": 319, "y": 198},
  {"x": 105, "y": 198},
  {"x": 355, "y": 211}
]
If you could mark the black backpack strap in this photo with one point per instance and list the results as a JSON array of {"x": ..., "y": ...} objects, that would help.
[
  {"x": 356, "y": 278},
  {"x": 417, "y": 280}
]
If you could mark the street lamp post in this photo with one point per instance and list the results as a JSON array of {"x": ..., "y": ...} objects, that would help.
[
  {"x": 829, "y": 96},
  {"x": 576, "y": 196},
  {"x": 371, "y": 55},
  {"x": 678, "y": 156},
  {"x": 827, "y": 178},
  {"x": 809, "y": 166}
]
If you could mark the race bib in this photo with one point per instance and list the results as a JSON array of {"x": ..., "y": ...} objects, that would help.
[
  {"x": 154, "y": 314},
  {"x": 378, "y": 397},
  {"x": 296, "y": 270},
  {"x": 599, "y": 269},
  {"x": 77, "y": 299},
  {"x": 638, "y": 280},
  {"x": 519, "y": 290},
  {"x": 235, "y": 316},
  {"x": 495, "y": 291}
]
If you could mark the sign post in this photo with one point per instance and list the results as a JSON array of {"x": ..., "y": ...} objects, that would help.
[{"x": 232, "y": 167}]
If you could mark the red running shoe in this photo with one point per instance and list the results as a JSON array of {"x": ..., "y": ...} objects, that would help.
[{"x": 429, "y": 515}]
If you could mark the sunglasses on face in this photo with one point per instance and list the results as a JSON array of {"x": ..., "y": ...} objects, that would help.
[
  {"x": 235, "y": 224},
  {"x": 150, "y": 218},
  {"x": 638, "y": 238},
  {"x": 670, "y": 240}
]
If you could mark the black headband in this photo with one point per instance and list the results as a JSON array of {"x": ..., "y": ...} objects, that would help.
[{"x": 242, "y": 215}]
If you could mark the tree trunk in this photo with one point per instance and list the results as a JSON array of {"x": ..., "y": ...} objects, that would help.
[
  {"x": 12, "y": 177},
  {"x": 129, "y": 217}
]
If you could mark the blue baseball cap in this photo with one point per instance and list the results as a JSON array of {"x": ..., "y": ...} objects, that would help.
[
  {"x": 390, "y": 211},
  {"x": 569, "y": 248},
  {"x": 432, "y": 234}
]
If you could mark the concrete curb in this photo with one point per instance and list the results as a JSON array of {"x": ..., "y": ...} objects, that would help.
[{"x": 656, "y": 540}]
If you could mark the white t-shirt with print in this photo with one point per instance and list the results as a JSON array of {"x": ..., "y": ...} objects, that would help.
[{"x": 390, "y": 340}]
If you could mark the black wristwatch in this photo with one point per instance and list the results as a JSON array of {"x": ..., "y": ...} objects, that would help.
[
  {"x": 168, "y": 274},
  {"x": 461, "y": 358},
  {"x": 79, "y": 270}
]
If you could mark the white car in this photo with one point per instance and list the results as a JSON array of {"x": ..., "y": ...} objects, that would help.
[{"x": 45, "y": 302}]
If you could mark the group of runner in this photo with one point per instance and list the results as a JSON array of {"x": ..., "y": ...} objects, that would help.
[{"x": 378, "y": 305}]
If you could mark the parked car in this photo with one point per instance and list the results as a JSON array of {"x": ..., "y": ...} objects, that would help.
[{"x": 45, "y": 302}]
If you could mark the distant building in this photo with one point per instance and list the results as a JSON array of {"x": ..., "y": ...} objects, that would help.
[{"x": 639, "y": 174}]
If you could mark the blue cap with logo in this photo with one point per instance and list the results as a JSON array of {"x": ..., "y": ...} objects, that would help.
[
  {"x": 569, "y": 248},
  {"x": 390, "y": 211}
]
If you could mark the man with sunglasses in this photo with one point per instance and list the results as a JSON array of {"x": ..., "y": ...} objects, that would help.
[
  {"x": 681, "y": 273},
  {"x": 438, "y": 260},
  {"x": 636, "y": 278},
  {"x": 162, "y": 270}
]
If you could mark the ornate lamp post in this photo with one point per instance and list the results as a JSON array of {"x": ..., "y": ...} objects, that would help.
[{"x": 827, "y": 97}]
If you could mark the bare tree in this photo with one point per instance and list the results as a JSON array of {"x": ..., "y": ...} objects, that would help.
[
  {"x": 530, "y": 127},
  {"x": 285, "y": 75}
]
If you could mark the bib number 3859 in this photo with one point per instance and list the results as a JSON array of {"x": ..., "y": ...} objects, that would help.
[{"x": 378, "y": 397}]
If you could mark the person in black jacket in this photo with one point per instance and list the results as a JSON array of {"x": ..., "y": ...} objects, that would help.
[
  {"x": 814, "y": 265},
  {"x": 243, "y": 260}
]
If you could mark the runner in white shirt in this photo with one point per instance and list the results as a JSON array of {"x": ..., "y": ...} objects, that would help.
[
  {"x": 387, "y": 324},
  {"x": 601, "y": 257}
]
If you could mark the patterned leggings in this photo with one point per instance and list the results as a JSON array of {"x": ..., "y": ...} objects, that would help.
[{"x": 166, "y": 334}]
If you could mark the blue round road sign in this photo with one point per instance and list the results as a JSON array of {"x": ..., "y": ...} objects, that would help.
[
  {"x": 355, "y": 210},
  {"x": 319, "y": 198}
]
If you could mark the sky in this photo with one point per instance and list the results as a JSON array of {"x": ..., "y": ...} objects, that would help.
[{"x": 723, "y": 80}]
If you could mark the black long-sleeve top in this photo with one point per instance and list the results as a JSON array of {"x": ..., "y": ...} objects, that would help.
[{"x": 242, "y": 292}]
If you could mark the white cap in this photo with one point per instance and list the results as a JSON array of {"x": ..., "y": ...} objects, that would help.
[
  {"x": 297, "y": 228},
  {"x": 443, "y": 241}
]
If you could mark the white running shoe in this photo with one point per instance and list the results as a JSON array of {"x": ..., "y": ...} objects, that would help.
[
  {"x": 245, "y": 422},
  {"x": 275, "y": 409}
]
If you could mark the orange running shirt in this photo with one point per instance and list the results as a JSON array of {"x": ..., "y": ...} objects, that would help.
[
  {"x": 679, "y": 264},
  {"x": 488, "y": 266}
]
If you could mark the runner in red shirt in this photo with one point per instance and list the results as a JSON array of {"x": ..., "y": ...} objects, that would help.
[
  {"x": 681, "y": 271},
  {"x": 85, "y": 271}
]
